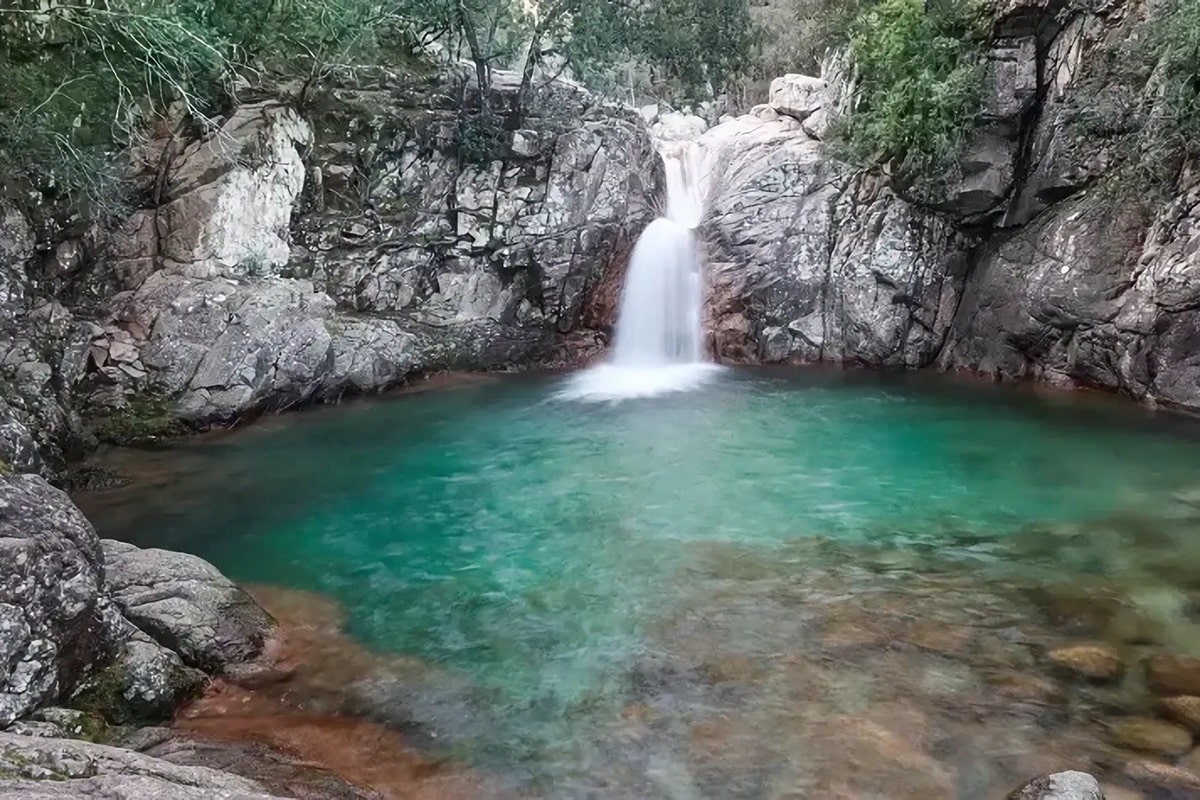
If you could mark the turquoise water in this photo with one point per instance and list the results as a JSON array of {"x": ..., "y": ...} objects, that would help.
[{"x": 544, "y": 549}]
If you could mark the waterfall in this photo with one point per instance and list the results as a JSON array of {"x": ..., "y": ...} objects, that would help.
[{"x": 659, "y": 337}]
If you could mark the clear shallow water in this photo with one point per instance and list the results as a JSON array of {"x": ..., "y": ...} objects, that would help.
[{"x": 588, "y": 568}]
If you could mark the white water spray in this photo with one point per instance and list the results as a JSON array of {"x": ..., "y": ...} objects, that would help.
[{"x": 659, "y": 338}]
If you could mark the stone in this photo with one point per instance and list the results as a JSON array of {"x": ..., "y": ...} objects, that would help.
[
  {"x": 230, "y": 195},
  {"x": 122, "y": 352},
  {"x": 38, "y": 768},
  {"x": 1168, "y": 674},
  {"x": 676, "y": 126},
  {"x": 1148, "y": 735},
  {"x": 1157, "y": 777},
  {"x": 797, "y": 96},
  {"x": 153, "y": 681},
  {"x": 1069, "y": 785},
  {"x": 184, "y": 604},
  {"x": 51, "y": 584},
  {"x": 526, "y": 143},
  {"x": 1095, "y": 662},
  {"x": 1184, "y": 709}
]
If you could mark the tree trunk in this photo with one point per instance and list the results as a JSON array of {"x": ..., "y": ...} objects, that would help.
[
  {"x": 477, "y": 56},
  {"x": 516, "y": 116}
]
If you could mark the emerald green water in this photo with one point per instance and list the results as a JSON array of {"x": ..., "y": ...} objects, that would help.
[{"x": 545, "y": 552}]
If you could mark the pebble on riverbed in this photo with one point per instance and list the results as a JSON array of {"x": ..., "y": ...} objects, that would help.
[
  {"x": 1184, "y": 709},
  {"x": 1148, "y": 735},
  {"x": 1095, "y": 662},
  {"x": 1173, "y": 675}
]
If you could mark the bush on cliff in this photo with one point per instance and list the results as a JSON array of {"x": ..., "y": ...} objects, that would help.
[{"x": 920, "y": 82}]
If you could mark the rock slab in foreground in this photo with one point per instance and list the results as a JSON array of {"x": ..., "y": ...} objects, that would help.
[
  {"x": 186, "y": 605},
  {"x": 1070, "y": 785},
  {"x": 35, "y": 768}
]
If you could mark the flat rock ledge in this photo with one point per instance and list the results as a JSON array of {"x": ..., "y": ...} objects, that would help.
[{"x": 32, "y": 768}]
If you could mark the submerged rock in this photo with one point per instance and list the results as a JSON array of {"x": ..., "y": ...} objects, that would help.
[
  {"x": 1184, "y": 709},
  {"x": 1096, "y": 662},
  {"x": 185, "y": 604},
  {"x": 1070, "y": 785},
  {"x": 1149, "y": 735},
  {"x": 1173, "y": 675}
]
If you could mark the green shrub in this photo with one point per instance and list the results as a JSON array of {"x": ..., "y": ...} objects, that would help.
[
  {"x": 1176, "y": 37},
  {"x": 479, "y": 138},
  {"x": 920, "y": 82}
]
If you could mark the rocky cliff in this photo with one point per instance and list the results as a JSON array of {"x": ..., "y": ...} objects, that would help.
[
  {"x": 311, "y": 246},
  {"x": 1051, "y": 253}
]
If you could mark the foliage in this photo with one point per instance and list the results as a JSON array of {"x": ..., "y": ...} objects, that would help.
[
  {"x": 790, "y": 36},
  {"x": 920, "y": 78},
  {"x": 84, "y": 79},
  {"x": 479, "y": 136},
  {"x": 1177, "y": 39}
]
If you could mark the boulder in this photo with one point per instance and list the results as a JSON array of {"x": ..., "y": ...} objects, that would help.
[
  {"x": 230, "y": 195},
  {"x": 797, "y": 96},
  {"x": 1184, "y": 709},
  {"x": 1069, "y": 785},
  {"x": 677, "y": 126},
  {"x": 808, "y": 261},
  {"x": 51, "y": 628},
  {"x": 184, "y": 604}
]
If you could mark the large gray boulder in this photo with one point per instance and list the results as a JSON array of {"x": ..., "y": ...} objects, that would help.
[
  {"x": 35, "y": 768},
  {"x": 186, "y": 605},
  {"x": 51, "y": 626}
]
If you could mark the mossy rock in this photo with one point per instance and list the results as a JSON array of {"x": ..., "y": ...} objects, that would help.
[
  {"x": 101, "y": 696},
  {"x": 145, "y": 419}
]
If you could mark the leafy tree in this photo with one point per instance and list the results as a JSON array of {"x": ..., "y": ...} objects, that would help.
[{"x": 921, "y": 80}]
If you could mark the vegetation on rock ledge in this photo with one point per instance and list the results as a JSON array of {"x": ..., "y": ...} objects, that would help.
[{"x": 921, "y": 82}]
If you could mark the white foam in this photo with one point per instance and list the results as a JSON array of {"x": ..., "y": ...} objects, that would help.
[{"x": 612, "y": 382}]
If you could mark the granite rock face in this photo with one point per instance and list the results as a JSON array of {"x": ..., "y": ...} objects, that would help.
[
  {"x": 808, "y": 261},
  {"x": 51, "y": 585},
  {"x": 35, "y": 767},
  {"x": 185, "y": 605},
  {"x": 291, "y": 260},
  {"x": 1048, "y": 254}
]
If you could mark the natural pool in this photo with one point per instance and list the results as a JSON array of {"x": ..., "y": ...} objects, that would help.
[{"x": 782, "y": 584}]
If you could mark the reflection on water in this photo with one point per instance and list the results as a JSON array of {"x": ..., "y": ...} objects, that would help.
[{"x": 783, "y": 585}]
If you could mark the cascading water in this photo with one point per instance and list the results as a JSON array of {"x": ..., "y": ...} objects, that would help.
[{"x": 659, "y": 328}]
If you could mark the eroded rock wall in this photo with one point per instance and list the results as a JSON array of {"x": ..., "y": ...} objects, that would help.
[
  {"x": 1063, "y": 247},
  {"x": 303, "y": 249}
]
